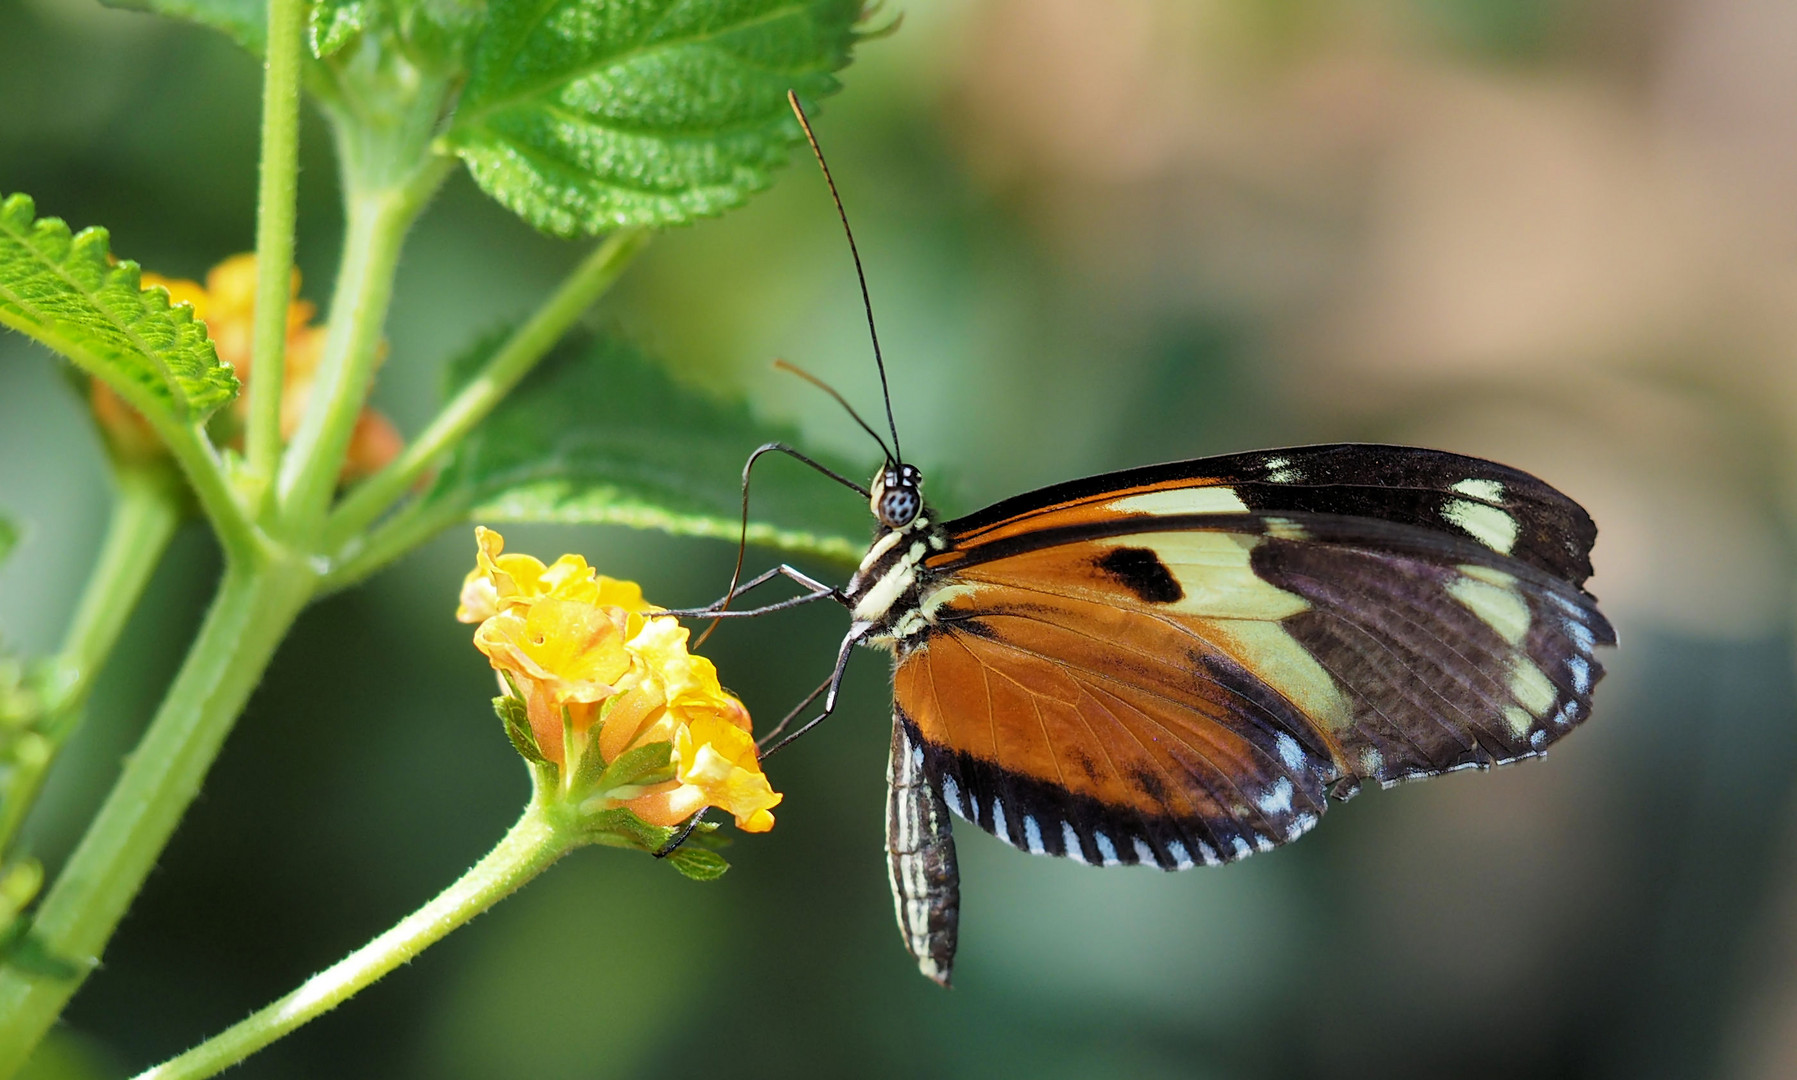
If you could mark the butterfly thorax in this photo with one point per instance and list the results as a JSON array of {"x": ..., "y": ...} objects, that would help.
[{"x": 890, "y": 592}]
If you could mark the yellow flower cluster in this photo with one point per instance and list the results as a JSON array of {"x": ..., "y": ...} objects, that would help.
[
  {"x": 227, "y": 304},
  {"x": 590, "y": 656}
]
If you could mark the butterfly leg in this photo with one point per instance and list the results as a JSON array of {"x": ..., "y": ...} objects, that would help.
[
  {"x": 774, "y": 732},
  {"x": 814, "y": 590},
  {"x": 856, "y": 632},
  {"x": 679, "y": 838},
  {"x": 830, "y": 684}
]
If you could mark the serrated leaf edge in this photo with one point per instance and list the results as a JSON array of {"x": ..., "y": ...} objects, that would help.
[{"x": 50, "y": 332}]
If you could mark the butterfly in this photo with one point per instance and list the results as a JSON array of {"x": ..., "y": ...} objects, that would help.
[{"x": 1183, "y": 664}]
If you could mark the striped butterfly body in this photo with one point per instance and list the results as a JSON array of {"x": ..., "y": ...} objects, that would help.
[{"x": 1179, "y": 665}]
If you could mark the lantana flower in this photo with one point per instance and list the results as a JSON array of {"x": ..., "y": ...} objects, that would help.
[
  {"x": 226, "y": 303},
  {"x": 598, "y": 669}
]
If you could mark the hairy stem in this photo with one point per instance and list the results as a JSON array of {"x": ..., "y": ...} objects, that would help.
[
  {"x": 539, "y": 838},
  {"x": 192, "y": 449},
  {"x": 144, "y": 517},
  {"x": 399, "y": 533},
  {"x": 252, "y": 612},
  {"x": 274, "y": 236},
  {"x": 508, "y": 366},
  {"x": 378, "y": 221}
]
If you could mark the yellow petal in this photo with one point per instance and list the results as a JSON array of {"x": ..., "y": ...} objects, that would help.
[
  {"x": 479, "y": 599},
  {"x": 718, "y": 760}
]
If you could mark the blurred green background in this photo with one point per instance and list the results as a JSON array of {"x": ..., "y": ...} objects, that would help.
[{"x": 1559, "y": 233}]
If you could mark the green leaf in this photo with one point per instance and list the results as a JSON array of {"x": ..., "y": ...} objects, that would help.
[
  {"x": 697, "y": 863},
  {"x": 633, "y": 766},
  {"x": 516, "y": 719},
  {"x": 442, "y": 30},
  {"x": 243, "y": 21},
  {"x": 619, "y": 827},
  {"x": 582, "y": 115},
  {"x": 592, "y": 759},
  {"x": 332, "y": 24},
  {"x": 63, "y": 291},
  {"x": 599, "y": 433}
]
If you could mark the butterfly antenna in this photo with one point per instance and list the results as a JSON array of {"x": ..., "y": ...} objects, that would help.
[
  {"x": 828, "y": 389},
  {"x": 792, "y": 98}
]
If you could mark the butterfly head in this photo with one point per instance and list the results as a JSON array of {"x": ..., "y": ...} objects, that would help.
[{"x": 896, "y": 494}]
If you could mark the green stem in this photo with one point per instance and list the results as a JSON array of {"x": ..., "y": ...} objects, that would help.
[
  {"x": 274, "y": 236},
  {"x": 377, "y": 226},
  {"x": 252, "y": 612},
  {"x": 192, "y": 449},
  {"x": 144, "y": 517},
  {"x": 404, "y": 530},
  {"x": 514, "y": 360},
  {"x": 540, "y": 837}
]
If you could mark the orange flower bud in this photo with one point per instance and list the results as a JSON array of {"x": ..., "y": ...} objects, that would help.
[{"x": 227, "y": 305}]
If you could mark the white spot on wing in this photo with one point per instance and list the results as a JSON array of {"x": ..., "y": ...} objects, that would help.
[
  {"x": 1070, "y": 841},
  {"x": 1489, "y": 490},
  {"x": 1144, "y": 853},
  {"x": 1581, "y": 673},
  {"x": 1032, "y": 834},
  {"x": 1181, "y": 857},
  {"x": 1215, "y": 573},
  {"x": 1285, "y": 664},
  {"x": 1493, "y": 527},
  {"x": 1281, "y": 471},
  {"x": 1278, "y": 800},
  {"x": 1290, "y": 752},
  {"x": 998, "y": 820},
  {"x": 951, "y": 794},
  {"x": 1106, "y": 849},
  {"x": 1372, "y": 762},
  {"x": 1193, "y": 500},
  {"x": 1530, "y": 687},
  {"x": 1242, "y": 850},
  {"x": 1497, "y": 605}
]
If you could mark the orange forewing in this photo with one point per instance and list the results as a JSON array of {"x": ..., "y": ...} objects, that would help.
[
  {"x": 1087, "y": 510},
  {"x": 1106, "y": 704}
]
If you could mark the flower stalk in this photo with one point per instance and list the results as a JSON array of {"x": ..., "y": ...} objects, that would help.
[
  {"x": 275, "y": 210},
  {"x": 625, "y": 732},
  {"x": 545, "y": 833}
]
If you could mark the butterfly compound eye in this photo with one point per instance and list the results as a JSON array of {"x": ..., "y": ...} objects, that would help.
[{"x": 899, "y": 501}]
